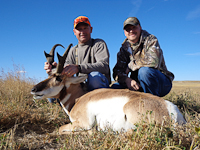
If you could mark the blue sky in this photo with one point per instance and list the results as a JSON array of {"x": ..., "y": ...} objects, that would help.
[{"x": 28, "y": 27}]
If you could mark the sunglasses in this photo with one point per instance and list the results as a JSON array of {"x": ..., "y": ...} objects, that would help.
[{"x": 128, "y": 28}]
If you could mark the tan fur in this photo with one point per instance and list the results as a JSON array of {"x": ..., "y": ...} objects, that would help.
[
  {"x": 75, "y": 100},
  {"x": 138, "y": 105},
  {"x": 76, "y": 91}
]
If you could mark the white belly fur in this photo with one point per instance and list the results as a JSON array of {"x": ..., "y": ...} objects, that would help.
[
  {"x": 109, "y": 114},
  {"x": 174, "y": 113}
]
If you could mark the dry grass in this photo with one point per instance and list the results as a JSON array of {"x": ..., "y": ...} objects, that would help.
[
  {"x": 29, "y": 124},
  {"x": 179, "y": 86}
]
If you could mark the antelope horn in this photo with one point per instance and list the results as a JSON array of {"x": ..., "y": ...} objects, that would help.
[
  {"x": 50, "y": 56},
  {"x": 61, "y": 60}
]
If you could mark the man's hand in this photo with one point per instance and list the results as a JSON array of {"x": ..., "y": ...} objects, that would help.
[
  {"x": 132, "y": 84},
  {"x": 70, "y": 70},
  {"x": 48, "y": 67}
]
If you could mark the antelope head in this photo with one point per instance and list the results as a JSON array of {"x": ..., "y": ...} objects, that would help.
[{"x": 56, "y": 82}]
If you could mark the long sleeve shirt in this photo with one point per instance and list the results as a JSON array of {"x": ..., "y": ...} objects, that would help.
[
  {"x": 91, "y": 56},
  {"x": 147, "y": 53}
]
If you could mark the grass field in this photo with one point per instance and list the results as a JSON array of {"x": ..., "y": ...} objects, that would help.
[
  {"x": 26, "y": 123},
  {"x": 179, "y": 86}
]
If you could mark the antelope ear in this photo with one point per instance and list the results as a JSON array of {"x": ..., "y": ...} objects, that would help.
[{"x": 76, "y": 80}]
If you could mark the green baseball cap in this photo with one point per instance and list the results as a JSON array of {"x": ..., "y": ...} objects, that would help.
[{"x": 132, "y": 21}]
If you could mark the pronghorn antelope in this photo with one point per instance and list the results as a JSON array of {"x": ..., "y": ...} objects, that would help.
[{"x": 118, "y": 109}]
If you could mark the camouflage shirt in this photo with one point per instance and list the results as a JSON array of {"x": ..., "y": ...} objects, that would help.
[{"x": 146, "y": 53}]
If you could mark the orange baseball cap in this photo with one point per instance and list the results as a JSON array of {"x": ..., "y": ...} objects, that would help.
[{"x": 81, "y": 19}]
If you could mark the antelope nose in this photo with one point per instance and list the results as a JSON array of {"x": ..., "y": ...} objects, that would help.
[{"x": 34, "y": 89}]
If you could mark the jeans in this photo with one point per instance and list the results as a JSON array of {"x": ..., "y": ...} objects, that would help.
[
  {"x": 152, "y": 81},
  {"x": 95, "y": 80}
]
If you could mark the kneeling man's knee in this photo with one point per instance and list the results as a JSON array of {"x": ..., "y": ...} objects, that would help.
[{"x": 97, "y": 80}]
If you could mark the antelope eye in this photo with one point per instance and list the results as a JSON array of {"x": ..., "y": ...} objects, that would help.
[{"x": 58, "y": 78}]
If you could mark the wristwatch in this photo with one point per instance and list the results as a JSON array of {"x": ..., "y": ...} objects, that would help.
[{"x": 79, "y": 68}]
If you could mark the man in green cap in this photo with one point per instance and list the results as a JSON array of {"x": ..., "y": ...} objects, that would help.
[{"x": 141, "y": 55}]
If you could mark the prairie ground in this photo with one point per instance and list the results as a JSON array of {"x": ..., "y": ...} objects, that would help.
[
  {"x": 179, "y": 86},
  {"x": 28, "y": 124}
]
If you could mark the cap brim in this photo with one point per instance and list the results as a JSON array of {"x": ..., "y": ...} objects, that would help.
[
  {"x": 133, "y": 24},
  {"x": 81, "y": 23}
]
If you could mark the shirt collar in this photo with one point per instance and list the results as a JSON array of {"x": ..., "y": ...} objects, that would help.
[{"x": 87, "y": 43}]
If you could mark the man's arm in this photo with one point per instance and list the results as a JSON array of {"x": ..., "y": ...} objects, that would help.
[
  {"x": 151, "y": 57},
  {"x": 100, "y": 59},
  {"x": 119, "y": 71}
]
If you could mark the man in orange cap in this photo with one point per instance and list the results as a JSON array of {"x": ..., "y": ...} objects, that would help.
[{"x": 89, "y": 56}]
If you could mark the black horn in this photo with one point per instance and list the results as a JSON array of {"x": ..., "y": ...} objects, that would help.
[
  {"x": 50, "y": 56},
  {"x": 62, "y": 59}
]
